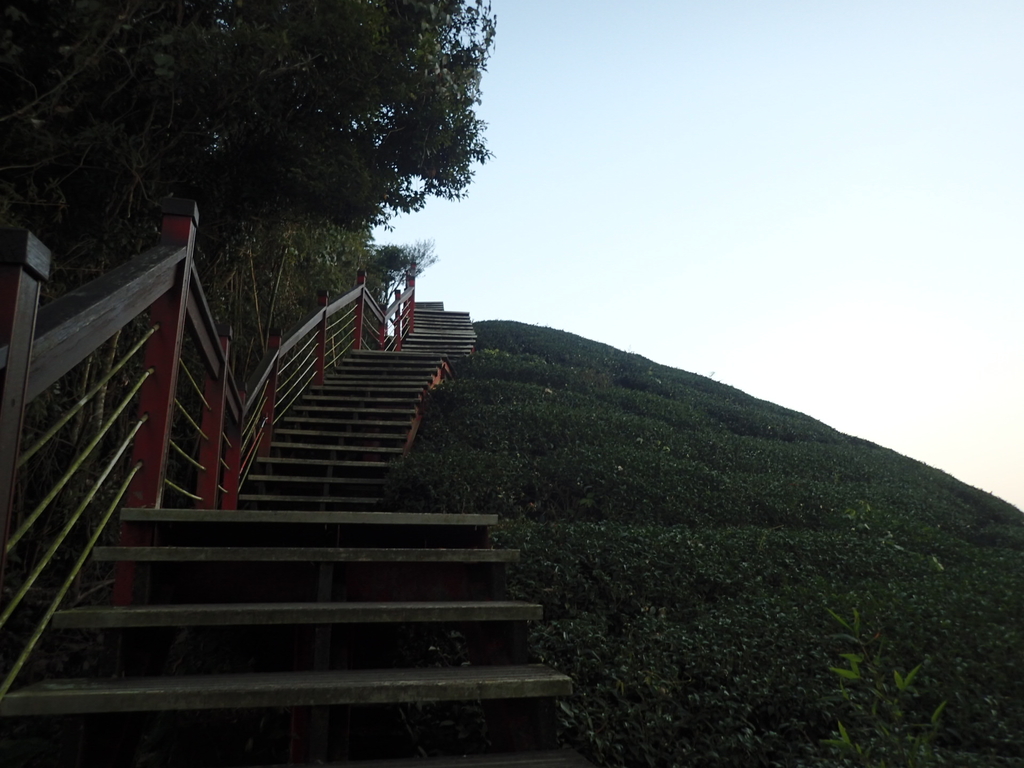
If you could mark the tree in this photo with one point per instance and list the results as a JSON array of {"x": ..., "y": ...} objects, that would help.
[
  {"x": 392, "y": 263},
  {"x": 339, "y": 112}
]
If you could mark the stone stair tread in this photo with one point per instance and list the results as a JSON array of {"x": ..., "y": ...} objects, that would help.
[
  {"x": 304, "y": 555},
  {"x": 284, "y": 689},
  {"x": 302, "y": 516},
  {"x": 556, "y": 758},
  {"x": 258, "y": 614}
]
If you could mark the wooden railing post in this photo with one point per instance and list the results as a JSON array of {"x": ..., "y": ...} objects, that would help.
[
  {"x": 267, "y": 418},
  {"x": 211, "y": 450},
  {"x": 410, "y": 282},
  {"x": 156, "y": 398},
  {"x": 357, "y": 342},
  {"x": 24, "y": 264},
  {"x": 321, "y": 339}
]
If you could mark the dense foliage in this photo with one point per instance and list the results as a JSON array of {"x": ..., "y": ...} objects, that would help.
[
  {"x": 688, "y": 543},
  {"x": 296, "y": 126}
]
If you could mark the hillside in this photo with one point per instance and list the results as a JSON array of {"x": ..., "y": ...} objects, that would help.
[{"x": 689, "y": 541}]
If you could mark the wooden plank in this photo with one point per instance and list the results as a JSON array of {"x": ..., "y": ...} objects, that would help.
[
  {"x": 302, "y": 555},
  {"x": 559, "y": 758},
  {"x": 300, "y": 516},
  {"x": 334, "y": 447},
  {"x": 335, "y": 500},
  {"x": 261, "y": 614},
  {"x": 321, "y": 462},
  {"x": 316, "y": 480},
  {"x": 74, "y": 325},
  {"x": 284, "y": 689}
]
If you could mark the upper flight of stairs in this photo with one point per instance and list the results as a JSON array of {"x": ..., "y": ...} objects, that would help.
[{"x": 319, "y": 586}]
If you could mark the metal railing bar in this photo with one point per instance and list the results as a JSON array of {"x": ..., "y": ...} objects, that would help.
[
  {"x": 305, "y": 348},
  {"x": 224, "y": 436},
  {"x": 224, "y": 464},
  {"x": 48, "y": 435},
  {"x": 255, "y": 413},
  {"x": 52, "y": 549},
  {"x": 20, "y": 662},
  {"x": 291, "y": 377},
  {"x": 76, "y": 463},
  {"x": 181, "y": 490},
  {"x": 199, "y": 391},
  {"x": 299, "y": 389},
  {"x": 190, "y": 420},
  {"x": 342, "y": 318},
  {"x": 186, "y": 457},
  {"x": 246, "y": 462},
  {"x": 341, "y": 354},
  {"x": 286, "y": 389}
]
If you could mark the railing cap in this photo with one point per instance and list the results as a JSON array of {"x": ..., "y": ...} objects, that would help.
[
  {"x": 21, "y": 247},
  {"x": 224, "y": 329},
  {"x": 180, "y": 206}
]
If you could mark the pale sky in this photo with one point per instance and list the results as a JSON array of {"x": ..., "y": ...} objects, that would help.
[{"x": 817, "y": 202}]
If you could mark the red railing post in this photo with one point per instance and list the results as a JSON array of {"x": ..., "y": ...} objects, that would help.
[
  {"x": 24, "y": 264},
  {"x": 211, "y": 450},
  {"x": 156, "y": 398},
  {"x": 398, "y": 322},
  {"x": 267, "y": 419},
  {"x": 357, "y": 342},
  {"x": 321, "y": 339},
  {"x": 410, "y": 282},
  {"x": 233, "y": 458}
]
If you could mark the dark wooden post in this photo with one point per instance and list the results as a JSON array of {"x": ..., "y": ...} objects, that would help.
[
  {"x": 24, "y": 264},
  {"x": 321, "y": 339},
  {"x": 410, "y": 282},
  {"x": 398, "y": 322},
  {"x": 156, "y": 398},
  {"x": 267, "y": 418},
  {"x": 357, "y": 342},
  {"x": 212, "y": 449}
]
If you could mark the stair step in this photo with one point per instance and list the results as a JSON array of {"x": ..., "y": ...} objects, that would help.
[
  {"x": 301, "y": 516},
  {"x": 363, "y": 501},
  {"x": 348, "y": 422},
  {"x": 412, "y": 390},
  {"x": 377, "y": 354},
  {"x": 410, "y": 412},
  {"x": 316, "y": 480},
  {"x": 337, "y": 434},
  {"x": 284, "y": 689},
  {"x": 321, "y": 462},
  {"x": 360, "y": 398},
  {"x": 302, "y": 555},
  {"x": 260, "y": 614},
  {"x": 557, "y": 758},
  {"x": 336, "y": 447}
]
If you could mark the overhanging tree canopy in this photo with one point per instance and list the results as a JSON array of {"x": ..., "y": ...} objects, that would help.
[{"x": 344, "y": 112}]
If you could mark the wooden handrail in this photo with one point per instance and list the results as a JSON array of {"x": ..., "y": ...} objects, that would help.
[{"x": 75, "y": 325}]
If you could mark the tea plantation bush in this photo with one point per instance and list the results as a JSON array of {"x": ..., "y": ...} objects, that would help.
[{"x": 688, "y": 542}]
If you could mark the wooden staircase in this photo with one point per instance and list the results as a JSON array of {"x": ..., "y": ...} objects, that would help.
[{"x": 322, "y": 584}]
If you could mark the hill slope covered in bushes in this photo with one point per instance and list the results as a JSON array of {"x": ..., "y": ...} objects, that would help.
[{"x": 696, "y": 550}]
